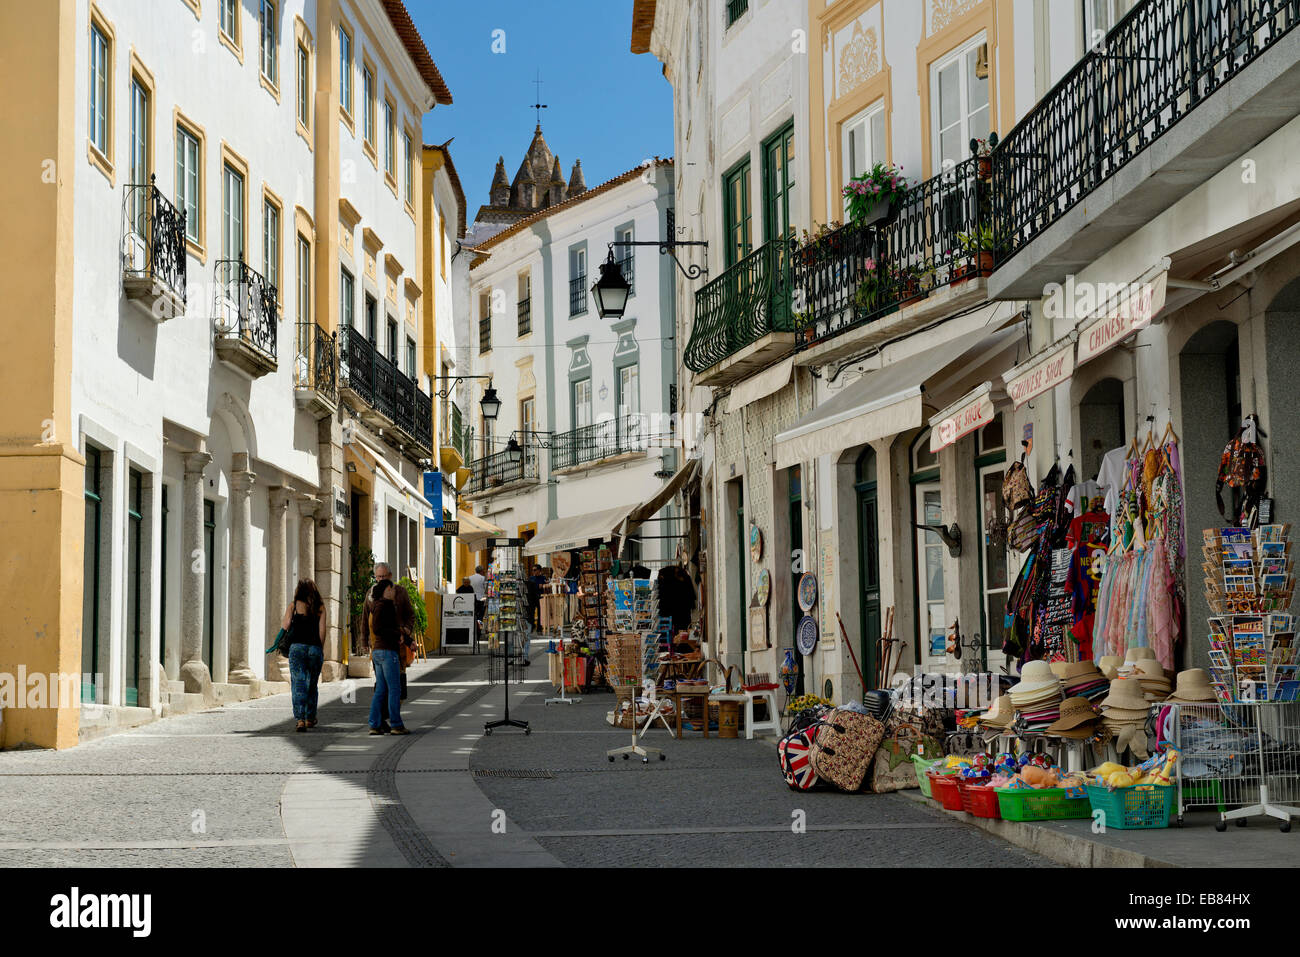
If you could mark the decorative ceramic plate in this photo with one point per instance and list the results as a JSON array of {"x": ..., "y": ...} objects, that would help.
[
  {"x": 806, "y": 635},
  {"x": 755, "y": 543},
  {"x": 807, "y": 592},
  {"x": 764, "y": 586}
]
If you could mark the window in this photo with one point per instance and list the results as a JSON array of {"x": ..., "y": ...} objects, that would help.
[
  {"x": 626, "y": 255},
  {"x": 229, "y": 19},
  {"x": 93, "y": 591},
  {"x": 735, "y": 10},
  {"x": 232, "y": 214},
  {"x": 304, "y": 87},
  {"x": 390, "y": 140},
  {"x": 188, "y": 181},
  {"x": 409, "y": 167},
  {"x": 135, "y": 637},
  {"x": 581, "y": 403},
  {"x": 959, "y": 104},
  {"x": 484, "y": 323},
  {"x": 446, "y": 249},
  {"x": 410, "y": 357},
  {"x": 577, "y": 281},
  {"x": 863, "y": 142},
  {"x": 778, "y": 185},
  {"x": 528, "y": 426},
  {"x": 525, "y": 304},
  {"x": 392, "y": 340},
  {"x": 139, "y": 162},
  {"x": 629, "y": 391},
  {"x": 345, "y": 70},
  {"x": 101, "y": 79},
  {"x": 271, "y": 243},
  {"x": 346, "y": 298},
  {"x": 372, "y": 319},
  {"x": 304, "y": 279},
  {"x": 368, "y": 94},
  {"x": 270, "y": 58},
  {"x": 929, "y": 569},
  {"x": 736, "y": 215}
]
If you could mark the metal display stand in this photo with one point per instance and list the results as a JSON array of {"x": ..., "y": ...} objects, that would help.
[
  {"x": 503, "y": 612},
  {"x": 626, "y": 671},
  {"x": 563, "y": 697}
]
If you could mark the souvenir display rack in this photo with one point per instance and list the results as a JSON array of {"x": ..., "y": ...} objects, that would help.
[
  {"x": 504, "y": 585},
  {"x": 625, "y": 670}
]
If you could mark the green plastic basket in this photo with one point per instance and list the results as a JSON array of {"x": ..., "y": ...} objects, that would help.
[
  {"x": 922, "y": 765},
  {"x": 1046, "y": 804},
  {"x": 1147, "y": 805}
]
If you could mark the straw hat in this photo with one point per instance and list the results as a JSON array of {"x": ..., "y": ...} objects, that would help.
[
  {"x": 1109, "y": 665},
  {"x": 1001, "y": 714},
  {"x": 1125, "y": 695},
  {"x": 1074, "y": 713},
  {"x": 1035, "y": 676},
  {"x": 1058, "y": 668},
  {"x": 1193, "y": 687},
  {"x": 1138, "y": 653}
]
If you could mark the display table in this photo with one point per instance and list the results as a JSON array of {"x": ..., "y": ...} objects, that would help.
[{"x": 701, "y": 694}]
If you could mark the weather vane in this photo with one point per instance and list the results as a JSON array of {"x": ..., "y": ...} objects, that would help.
[{"x": 539, "y": 105}]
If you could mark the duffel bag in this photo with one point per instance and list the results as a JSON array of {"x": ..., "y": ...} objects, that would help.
[
  {"x": 844, "y": 747},
  {"x": 796, "y": 761}
]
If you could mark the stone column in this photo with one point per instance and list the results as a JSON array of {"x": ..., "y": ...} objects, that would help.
[
  {"x": 194, "y": 670},
  {"x": 278, "y": 595},
  {"x": 241, "y": 489},
  {"x": 330, "y": 551},
  {"x": 307, "y": 508}
]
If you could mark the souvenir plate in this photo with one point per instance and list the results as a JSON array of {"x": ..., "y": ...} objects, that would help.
[
  {"x": 755, "y": 543},
  {"x": 807, "y": 592},
  {"x": 806, "y": 635},
  {"x": 764, "y": 589}
]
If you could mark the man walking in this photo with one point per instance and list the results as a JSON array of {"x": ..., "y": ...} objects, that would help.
[{"x": 479, "y": 582}]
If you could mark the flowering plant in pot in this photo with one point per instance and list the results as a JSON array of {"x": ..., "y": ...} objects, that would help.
[
  {"x": 913, "y": 281},
  {"x": 873, "y": 194},
  {"x": 978, "y": 244},
  {"x": 983, "y": 153},
  {"x": 803, "y": 245},
  {"x": 873, "y": 284}
]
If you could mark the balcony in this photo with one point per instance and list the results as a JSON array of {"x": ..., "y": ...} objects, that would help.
[
  {"x": 153, "y": 252},
  {"x": 385, "y": 398},
  {"x": 578, "y": 296},
  {"x": 316, "y": 371},
  {"x": 867, "y": 282},
  {"x": 605, "y": 441},
  {"x": 246, "y": 319},
  {"x": 743, "y": 319},
  {"x": 627, "y": 263},
  {"x": 525, "y": 317},
  {"x": 499, "y": 473},
  {"x": 453, "y": 450},
  {"x": 1127, "y": 131}
]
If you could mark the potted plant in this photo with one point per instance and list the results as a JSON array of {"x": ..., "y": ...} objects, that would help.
[
  {"x": 875, "y": 194},
  {"x": 978, "y": 245},
  {"x": 983, "y": 153},
  {"x": 872, "y": 285},
  {"x": 913, "y": 282}
]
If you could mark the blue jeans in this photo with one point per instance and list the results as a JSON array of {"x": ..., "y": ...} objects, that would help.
[
  {"x": 388, "y": 688},
  {"x": 305, "y": 663}
]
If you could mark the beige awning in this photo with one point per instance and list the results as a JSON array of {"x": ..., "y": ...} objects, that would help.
[
  {"x": 881, "y": 403},
  {"x": 474, "y": 530},
  {"x": 645, "y": 512},
  {"x": 760, "y": 386},
  {"x": 577, "y": 531},
  {"x": 374, "y": 462},
  {"x": 1123, "y": 314}
]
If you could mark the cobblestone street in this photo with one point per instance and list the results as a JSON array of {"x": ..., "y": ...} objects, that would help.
[{"x": 237, "y": 786}]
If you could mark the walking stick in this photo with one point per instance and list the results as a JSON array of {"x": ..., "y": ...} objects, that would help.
[{"x": 852, "y": 653}]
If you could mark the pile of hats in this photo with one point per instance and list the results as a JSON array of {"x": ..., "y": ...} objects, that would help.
[
  {"x": 1193, "y": 688},
  {"x": 1152, "y": 678},
  {"x": 1110, "y": 665},
  {"x": 1083, "y": 679},
  {"x": 1038, "y": 696},
  {"x": 1001, "y": 715},
  {"x": 1124, "y": 713},
  {"x": 1079, "y": 720}
]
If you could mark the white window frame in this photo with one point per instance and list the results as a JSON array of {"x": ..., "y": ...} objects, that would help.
[
  {"x": 345, "y": 69},
  {"x": 303, "y": 60},
  {"x": 189, "y": 181},
  {"x": 271, "y": 243},
  {"x": 101, "y": 88},
  {"x": 138, "y": 147},
  {"x": 228, "y": 19},
  {"x": 956, "y": 57},
  {"x": 409, "y": 157},
  {"x": 232, "y": 213},
  {"x": 368, "y": 91},
  {"x": 303, "y": 249},
  {"x": 629, "y": 380},
  {"x": 390, "y": 139},
  {"x": 581, "y": 409},
  {"x": 927, "y": 543},
  {"x": 270, "y": 49},
  {"x": 347, "y": 298},
  {"x": 863, "y": 122}
]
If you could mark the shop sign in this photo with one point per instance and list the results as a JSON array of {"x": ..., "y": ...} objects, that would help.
[
  {"x": 448, "y": 529},
  {"x": 957, "y": 421},
  {"x": 1041, "y": 373},
  {"x": 1126, "y": 314},
  {"x": 433, "y": 495}
]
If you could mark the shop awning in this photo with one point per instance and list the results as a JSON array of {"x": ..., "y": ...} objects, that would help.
[
  {"x": 475, "y": 531},
  {"x": 1041, "y": 372},
  {"x": 881, "y": 403},
  {"x": 1123, "y": 313},
  {"x": 374, "y": 462},
  {"x": 577, "y": 531},
  {"x": 972, "y": 411},
  {"x": 760, "y": 386},
  {"x": 643, "y": 513}
]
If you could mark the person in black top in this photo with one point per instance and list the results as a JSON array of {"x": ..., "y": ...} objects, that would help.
[{"x": 304, "y": 619}]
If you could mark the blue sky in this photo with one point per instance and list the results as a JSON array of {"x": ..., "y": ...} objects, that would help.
[{"x": 607, "y": 106}]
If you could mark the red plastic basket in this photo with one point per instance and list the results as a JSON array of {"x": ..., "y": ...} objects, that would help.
[
  {"x": 979, "y": 800},
  {"x": 945, "y": 789}
]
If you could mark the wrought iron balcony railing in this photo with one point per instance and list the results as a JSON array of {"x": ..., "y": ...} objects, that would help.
[
  {"x": 357, "y": 364},
  {"x": 578, "y": 295},
  {"x": 1156, "y": 65},
  {"x": 601, "y": 440},
  {"x": 386, "y": 390},
  {"x": 422, "y": 427},
  {"x": 317, "y": 366},
  {"x": 525, "y": 316},
  {"x": 154, "y": 248},
  {"x": 628, "y": 265},
  {"x": 748, "y": 301},
  {"x": 247, "y": 308},
  {"x": 863, "y": 271},
  {"x": 500, "y": 469}
]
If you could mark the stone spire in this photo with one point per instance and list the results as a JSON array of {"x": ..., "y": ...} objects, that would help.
[
  {"x": 555, "y": 192},
  {"x": 577, "y": 183},
  {"x": 522, "y": 189},
  {"x": 499, "y": 194}
]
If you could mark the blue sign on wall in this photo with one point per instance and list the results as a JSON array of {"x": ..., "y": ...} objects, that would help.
[{"x": 433, "y": 493}]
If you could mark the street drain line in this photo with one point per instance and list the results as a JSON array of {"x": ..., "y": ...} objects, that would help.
[{"x": 539, "y": 774}]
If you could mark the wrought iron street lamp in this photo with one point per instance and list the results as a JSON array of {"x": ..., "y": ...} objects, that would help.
[
  {"x": 490, "y": 403},
  {"x": 611, "y": 290}
]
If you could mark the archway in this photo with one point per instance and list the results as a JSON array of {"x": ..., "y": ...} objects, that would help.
[{"x": 1101, "y": 423}]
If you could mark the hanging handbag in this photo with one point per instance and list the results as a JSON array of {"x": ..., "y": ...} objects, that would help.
[
  {"x": 285, "y": 640},
  {"x": 1016, "y": 487}
]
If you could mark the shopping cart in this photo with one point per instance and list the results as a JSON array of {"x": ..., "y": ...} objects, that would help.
[{"x": 1242, "y": 759}]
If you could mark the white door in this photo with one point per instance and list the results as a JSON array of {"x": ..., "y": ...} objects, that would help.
[{"x": 929, "y": 576}]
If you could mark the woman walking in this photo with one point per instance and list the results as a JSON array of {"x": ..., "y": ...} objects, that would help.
[{"x": 305, "y": 622}]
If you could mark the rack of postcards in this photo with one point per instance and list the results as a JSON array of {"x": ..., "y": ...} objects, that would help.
[
  {"x": 504, "y": 592},
  {"x": 593, "y": 576},
  {"x": 1249, "y": 586}
]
